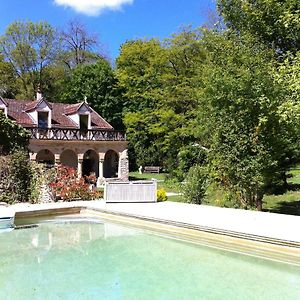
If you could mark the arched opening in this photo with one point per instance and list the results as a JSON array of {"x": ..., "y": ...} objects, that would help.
[
  {"x": 69, "y": 158},
  {"x": 45, "y": 156},
  {"x": 111, "y": 163},
  {"x": 90, "y": 163}
]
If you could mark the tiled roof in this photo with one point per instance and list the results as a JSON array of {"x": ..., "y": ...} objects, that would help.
[
  {"x": 33, "y": 105},
  {"x": 72, "y": 108},
  {"x": 17, "y": 110}
]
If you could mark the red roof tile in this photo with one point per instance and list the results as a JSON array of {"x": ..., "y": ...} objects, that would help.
[
  {"x": 33, "y": 104},
  {"x": 17, "y": 110}
]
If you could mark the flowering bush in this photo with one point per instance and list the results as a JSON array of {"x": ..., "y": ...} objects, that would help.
[
  {"x": 161, "y": 195},
  {"x": 67, "y": 186}
]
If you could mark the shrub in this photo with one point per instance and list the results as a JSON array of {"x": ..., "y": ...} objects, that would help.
[
  {"x": 67, "y": 186},
  {"x": 16, "y": 174},
  {"x": 12, "y": 135},
  {"x": 42, "y": 176},
  {"x": 196, "y": 183},
  {"x": 161, "y": 195}
]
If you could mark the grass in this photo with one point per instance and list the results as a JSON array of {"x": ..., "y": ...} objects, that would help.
[
  {"x": 146, "y": 176},
  {"x": 287, "y": 203},
  {"x": 168, "y": 186}
]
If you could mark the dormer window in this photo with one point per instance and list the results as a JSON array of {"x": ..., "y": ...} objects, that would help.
[
  {"x": 84, "y": 122},
  {"x": 43, "y": 118}
]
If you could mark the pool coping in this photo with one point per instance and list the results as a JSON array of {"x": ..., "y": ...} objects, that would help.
[
  {"x": 75, "y": 207},
  {"x": 283, "y": 250}
]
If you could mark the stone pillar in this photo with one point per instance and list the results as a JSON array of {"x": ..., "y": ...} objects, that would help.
[
  {"x": 100, "y": 179},
  {"x": 101, "y": 166},
  {"x": 32, "y": 156},
  {"x": 79, "y": 168},
  {"x": 120, "y": 166},
  {"x": 57, "y": 159},
  {"x": 123, "y": 171}
]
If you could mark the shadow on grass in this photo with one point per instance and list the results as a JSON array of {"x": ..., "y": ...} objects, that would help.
[
  {"x": 294, "y": 187},
  {"x": 133, "y": 178},
  {"x": 288, "y": 208}
]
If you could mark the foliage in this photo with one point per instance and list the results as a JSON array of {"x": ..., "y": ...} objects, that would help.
[
  {"x": 189, "y": 156},
  {"x": 249, "y": 143},
  {"x": 160, "y": 95},
  {"x": 67, "y": 186},
  {"x": 139, "y": 66},
  {"x": 29, "y": 48},
  {"x": 16, "y": 175},
  {"x": 98, "y": 84},
  {"x": 12, "y": 135},
  {"x": 42, "y": 177},
  {"x": 274, "y": 22},
  {"x": 195, "y": 185},
  {"x": 161, "y": 195},
  {"x": 8, "y": 85}
]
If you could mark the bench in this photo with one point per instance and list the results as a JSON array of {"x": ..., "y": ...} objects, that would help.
[{"x": 151, "y": 169}]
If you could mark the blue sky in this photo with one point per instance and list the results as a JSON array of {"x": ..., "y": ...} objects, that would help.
[{"x": 114, "y": 21}]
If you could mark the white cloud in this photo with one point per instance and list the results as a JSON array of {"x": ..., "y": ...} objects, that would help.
[{"x": 93, "y": 7}]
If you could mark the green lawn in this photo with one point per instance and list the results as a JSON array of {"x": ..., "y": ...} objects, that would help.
[
  {"x": 287, "y": 203},
  {"x": 162, "y": 183}
]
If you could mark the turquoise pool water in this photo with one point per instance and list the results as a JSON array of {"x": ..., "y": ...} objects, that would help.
[{"x": 107, "y": 261}]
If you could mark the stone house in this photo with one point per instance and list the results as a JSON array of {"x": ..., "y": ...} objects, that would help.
[{"x": 71, "y": 134}]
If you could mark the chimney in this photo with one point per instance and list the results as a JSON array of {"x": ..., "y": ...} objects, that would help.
[{"x": 39, "y": 95}]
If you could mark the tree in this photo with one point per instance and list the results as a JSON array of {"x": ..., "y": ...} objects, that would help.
[
  {"x": 139, "y": 68},
  {"x": 277, "y": 23},
  {"x": 29, "y": 48},
  {"x": 12, "y": 135},
  {"x": 161, "y": 86},
  {"x": 79, "y": 45},
  {"x": 98, "y": 84},
  {"x": 8, "y": 84},
  {"x": 249, "y": 142}
]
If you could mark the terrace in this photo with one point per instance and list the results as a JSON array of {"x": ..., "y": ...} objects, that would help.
[{"x": 68, "y": 134}]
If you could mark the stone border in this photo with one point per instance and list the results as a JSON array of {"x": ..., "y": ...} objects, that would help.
[{"x": 259, "y": 246}]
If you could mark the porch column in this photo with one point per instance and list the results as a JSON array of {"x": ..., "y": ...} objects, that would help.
[
  {"x": 120, "y": 166},
  {"x": 101, "y": 166},
  {"x": 57, "y": 159},
  {"x": 79, "y": 168}
]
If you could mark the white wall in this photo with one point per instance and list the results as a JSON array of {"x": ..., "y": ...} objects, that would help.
[
  {"x": 42, "y": 107},
  {"x": 3, "y": 107}
]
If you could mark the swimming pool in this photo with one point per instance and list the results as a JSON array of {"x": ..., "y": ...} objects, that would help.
[{"x": 95, "y": 259}]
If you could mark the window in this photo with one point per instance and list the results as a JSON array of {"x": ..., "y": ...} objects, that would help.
[
  {"x": 43, "y": 119},
  {"x": 83, "y": 122}
]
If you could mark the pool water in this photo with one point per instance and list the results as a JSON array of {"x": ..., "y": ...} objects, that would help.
[{"x": 86, "y": 260}]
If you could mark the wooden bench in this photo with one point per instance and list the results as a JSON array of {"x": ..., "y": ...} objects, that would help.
[{"x": 151, "y": 169}]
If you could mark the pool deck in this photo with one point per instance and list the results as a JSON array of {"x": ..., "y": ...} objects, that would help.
[{"x": 222, "y": 220}]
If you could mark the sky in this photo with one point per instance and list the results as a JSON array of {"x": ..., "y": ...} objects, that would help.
[{"x": 113, "y": 21}]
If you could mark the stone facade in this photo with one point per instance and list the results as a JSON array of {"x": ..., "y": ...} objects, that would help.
[{"x": 55, "y": 152}]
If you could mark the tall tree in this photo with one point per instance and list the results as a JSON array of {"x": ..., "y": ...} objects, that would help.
[
  {"x": 277, "y": 23},
  {"x": 249, "y": 141},
  {"x": 8, "y": 82},
  {"x": 97, "y": 83},
  {"x": 29, "y": 47},
  {"x": 80, "y": 47},
  {"x": 161, "y": 85},
  {"x": 139, "y": 68}
]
